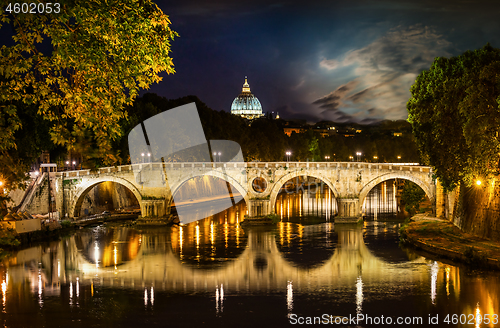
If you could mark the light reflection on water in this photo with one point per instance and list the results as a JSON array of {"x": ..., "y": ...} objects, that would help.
[{"x": 215, "y": 272}]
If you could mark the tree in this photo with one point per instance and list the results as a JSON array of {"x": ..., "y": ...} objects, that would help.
[
  {"x": 80, "y": 65},
  {"x": 412, "y": 196},
  {"x": 313, "y": 147},
  {"x": 454, "y": 111}
]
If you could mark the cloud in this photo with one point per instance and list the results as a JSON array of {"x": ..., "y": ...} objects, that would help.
[
  {"x": 384, "y": 71},
  {"x": 332, "y": 101},
  {"x": 329, "y": 64}
]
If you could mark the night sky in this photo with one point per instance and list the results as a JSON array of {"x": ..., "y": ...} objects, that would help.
[
  {"x": 344, "y": 61},
  {"x": 327, "y": 60}
]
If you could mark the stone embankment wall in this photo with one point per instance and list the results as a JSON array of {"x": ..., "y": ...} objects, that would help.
[
  {"x": 39, "y": 204},
  {"x": 477, "y": 210}
]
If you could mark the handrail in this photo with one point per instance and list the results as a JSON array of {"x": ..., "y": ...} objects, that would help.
[{"x": 262, "y": 165}]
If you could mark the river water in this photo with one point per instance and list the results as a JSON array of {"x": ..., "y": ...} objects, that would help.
[{"x": 214, "y": 273}]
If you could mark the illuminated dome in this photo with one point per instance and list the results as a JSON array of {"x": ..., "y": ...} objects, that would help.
[{"x": 246, "y": 104}]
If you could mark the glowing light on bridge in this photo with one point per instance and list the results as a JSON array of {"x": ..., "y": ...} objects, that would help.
[{"x": 478, "y": 182}]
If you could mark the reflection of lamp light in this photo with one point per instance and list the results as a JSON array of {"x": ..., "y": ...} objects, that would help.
[
  {"x": 96, "y": 254},
  {"x": 289, "y": 296}
]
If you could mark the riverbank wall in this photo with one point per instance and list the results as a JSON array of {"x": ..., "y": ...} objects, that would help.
[
  {"x": 442, "y": 239},
  {"x": 477, "y": 210}
]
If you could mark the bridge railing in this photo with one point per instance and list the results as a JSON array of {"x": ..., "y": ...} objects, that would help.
[{"x": 243, "y": 165}]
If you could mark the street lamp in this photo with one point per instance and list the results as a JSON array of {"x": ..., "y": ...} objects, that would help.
[
  {"x": 375, "y": 158},
  {"x": 358, "y": 154},
  {"x": 142, "y": 154},
  {"x": 215, "y": 156},
  {"x": 288, "y": 154},
  {"x": 149, "y": 157},
  {"x": 219, "y": 153},
  {"x": 351, "y": 158},
  {"x": 327, "y": 158},
  {"x": 399, "y": 158}
]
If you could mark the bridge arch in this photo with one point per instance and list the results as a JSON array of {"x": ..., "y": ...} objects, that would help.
[
  {"x": 75, "y": 207},
  {"x": 233, "y": 182},
  {"x": 427, "y": 188},
  {"x": 273, "y": 195}
]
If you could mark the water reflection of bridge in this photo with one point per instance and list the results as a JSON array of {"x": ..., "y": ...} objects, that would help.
[{"x": 261, "y": 266}]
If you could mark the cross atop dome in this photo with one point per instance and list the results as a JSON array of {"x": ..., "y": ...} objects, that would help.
[{"x": 246, "y": 86}]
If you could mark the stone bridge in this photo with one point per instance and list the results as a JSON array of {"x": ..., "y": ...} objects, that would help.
[{"x": 350, "y": 182}]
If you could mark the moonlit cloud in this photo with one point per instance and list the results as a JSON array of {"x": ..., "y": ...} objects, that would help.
[
  {"x": 383, "y": 72},
  {"x": 329, "y": 64}
]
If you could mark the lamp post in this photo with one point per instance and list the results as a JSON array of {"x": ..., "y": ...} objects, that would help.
[
  {"x": 351, "y": 158},
  {"x": 219, "y": 153},
  {"x": 375, "y": 158},
  {"x": 74, "y": 163},
  {"x": 149, "y": 157},
  {"x": 358, "y": 155},
  {"x": 142, "y": 155},
  {"x": 288, "y": 154},
  {"x": 327, "y": 158},
  {"x": 399, "y": 158}
]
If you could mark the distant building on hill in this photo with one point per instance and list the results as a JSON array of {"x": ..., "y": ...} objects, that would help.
[{"x": 246, "y": 104}]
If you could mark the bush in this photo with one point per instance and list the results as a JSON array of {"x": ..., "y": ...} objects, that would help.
[
  {"x": 8, "y": 237},
  {"x": 66, "y": 224}
]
